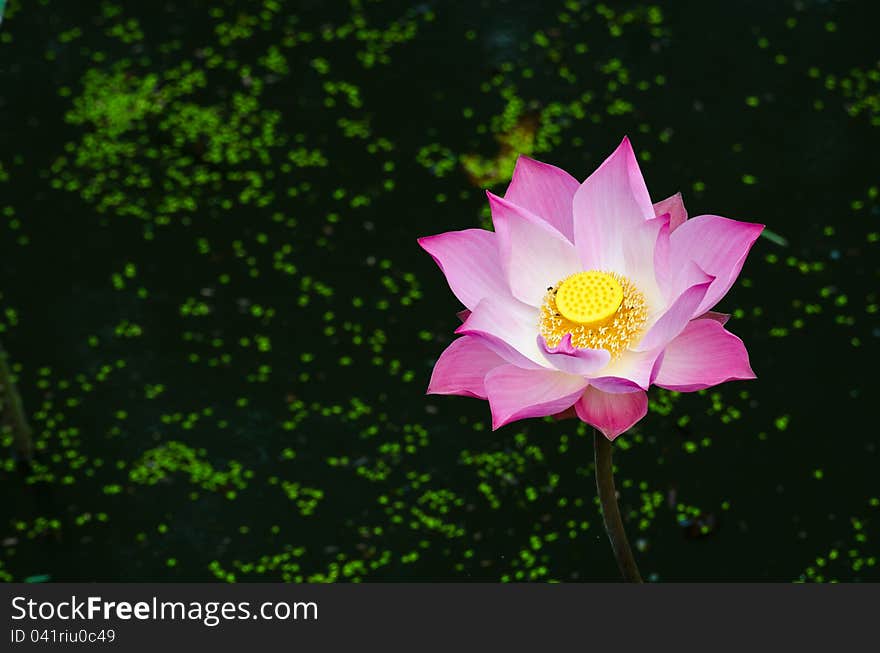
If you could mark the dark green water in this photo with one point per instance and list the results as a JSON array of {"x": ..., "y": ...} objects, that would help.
[{"x": 223, "y": 328}]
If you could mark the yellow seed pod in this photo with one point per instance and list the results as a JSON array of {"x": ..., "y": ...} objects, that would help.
[{"x": 589, "y": 298}]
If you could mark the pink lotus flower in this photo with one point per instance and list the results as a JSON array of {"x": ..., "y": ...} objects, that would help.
[{"x": 587, "y": 294}]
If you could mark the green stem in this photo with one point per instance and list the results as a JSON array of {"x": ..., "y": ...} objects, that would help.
[
  {"x": 610, "y": 510},
  {"x": 13, "y": 410}
]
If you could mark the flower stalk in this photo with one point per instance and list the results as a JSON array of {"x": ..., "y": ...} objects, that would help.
[
  {"x": 12, "y": 411},
  {"x": 611, "y": 511}
]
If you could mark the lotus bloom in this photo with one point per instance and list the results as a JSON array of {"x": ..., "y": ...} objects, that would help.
[{"x": 586, "y": 294}]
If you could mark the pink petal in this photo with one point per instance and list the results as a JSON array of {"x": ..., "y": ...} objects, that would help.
[
  {"x": 515, "y": 393},
  {"x": 703, "y": 355},
  {"x": 544, "y": 190},
  {"x": 674, "y": 206},
  {"x": 612, "y": 413},
  {"x": 470, "y": 261},
  {"x": 645, "y": 256},
  {"x": 721, "y": 318},
  {"x": 633, "y": 370},
  {"x": 719, "y": 246},
  {"x": 568, "y": 413},
  {"x": 463, "y": 315},
  {"x": 662, "y": 272},
  {"x": 461, "y": 368},
  {"x": 608, "y": 206},
  {"x": 679, "y": 313},
  {"x": 569, "y": 359},
  {"x": 508, "y": 328},
  {"x": 533, "y": 254}
]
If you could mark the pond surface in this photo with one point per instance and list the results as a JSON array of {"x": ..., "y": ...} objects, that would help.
[{"x": 222, "y": 326}]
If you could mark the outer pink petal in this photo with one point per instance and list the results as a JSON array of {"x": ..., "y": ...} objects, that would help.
[
  {"x": 607, "y": 207},
  {"x": 461, "y": 368},
  {"x": 674, "y": 206},
  {"x": 567, "y": 358},
  {"x": 612, "y": 413},
  {"x": 719, "y": 246},
  {"x": 679, "y": 313},
  {"x": 703, "y": 355},
  {"x": 633, "y": 370},
  {"x": 508, "y": 327},
  {"x": 533, "y": 254},
  {"x": 470, "y": 261},
  {"x": 515, "y": 393},
  {"x": 544, "y": 190}
]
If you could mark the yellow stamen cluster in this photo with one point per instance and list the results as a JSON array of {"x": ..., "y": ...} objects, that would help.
[{"x": 601, "y": 310}]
